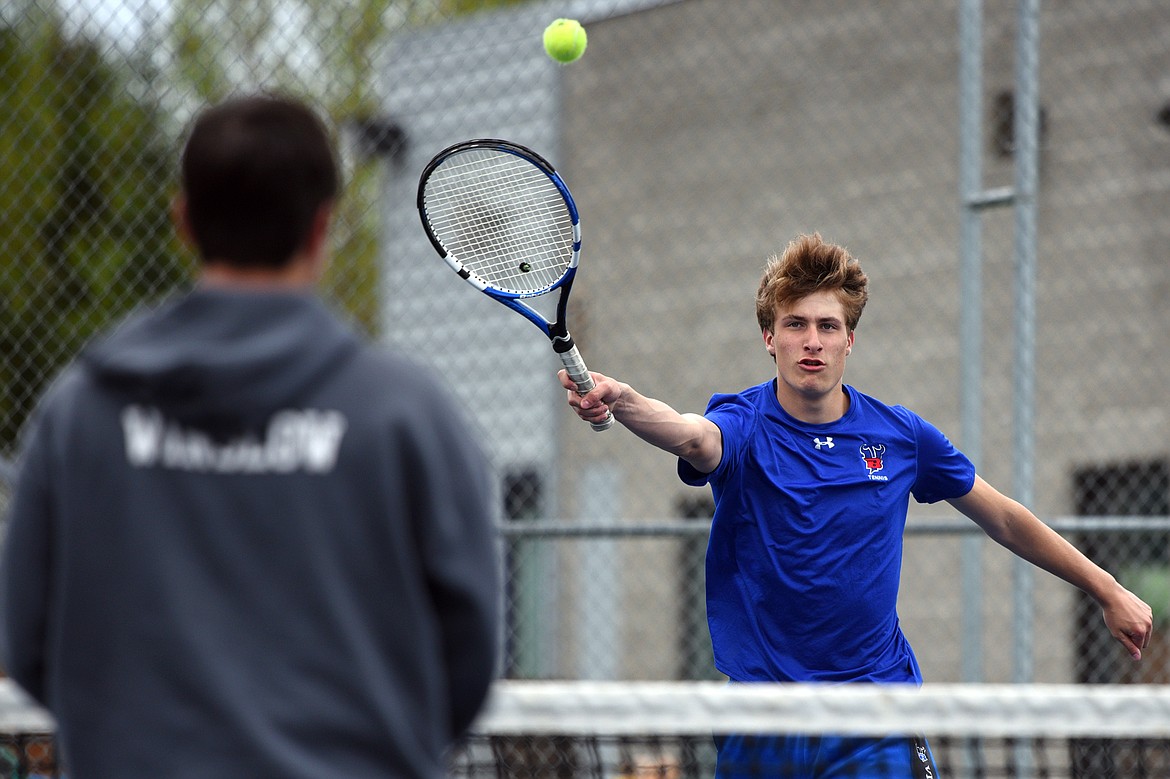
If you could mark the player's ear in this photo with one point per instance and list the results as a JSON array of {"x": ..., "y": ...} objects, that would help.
[
  {"x": 181, "y": 220},
  {"x": 849, "y": 346},
  {"x": 316, "y": 245},
  {"x": 771, "y": 347}
]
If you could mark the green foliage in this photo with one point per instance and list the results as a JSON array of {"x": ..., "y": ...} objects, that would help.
[
  {"x": 324, "y": 51},
  {"x": 1151, "y": 583},
  {"x": 87, "y": 167},
  {"x": 459, "y": 7},
  {"x": 328, "y": 52},
  {"x": 84, "y": 186}
]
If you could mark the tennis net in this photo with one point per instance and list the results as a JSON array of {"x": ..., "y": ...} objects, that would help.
[
  {"x": 639, "y": 730},
  {"x": 26, "y": 736},
  {"x": 625, "y": 730}
]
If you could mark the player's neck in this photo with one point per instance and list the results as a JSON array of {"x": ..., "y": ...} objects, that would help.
[
  {"x": 300, "y": 274},
  {"x": 814, "y": 409}
]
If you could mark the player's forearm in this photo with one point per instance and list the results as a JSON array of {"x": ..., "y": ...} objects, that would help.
[
  {"x": 685, "y": 435},
  {"x": 1012, "y": 525},
  {"x": 1128, "y": 618},
  {"x": 1031, "y": 539}
]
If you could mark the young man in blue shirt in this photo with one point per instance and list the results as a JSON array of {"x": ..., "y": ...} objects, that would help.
[{"x": 812, "y": 480}]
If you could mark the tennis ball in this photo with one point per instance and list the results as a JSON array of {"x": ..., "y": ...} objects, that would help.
[{"x": 565, "y": 40}]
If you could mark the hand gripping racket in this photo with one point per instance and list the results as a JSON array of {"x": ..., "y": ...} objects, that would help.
[{"x": 503, "y": 219}]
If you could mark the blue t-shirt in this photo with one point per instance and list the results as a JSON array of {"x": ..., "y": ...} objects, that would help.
[{"x": 805, "y": 552}]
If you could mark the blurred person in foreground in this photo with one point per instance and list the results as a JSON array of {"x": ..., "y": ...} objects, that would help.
[
  {"x": 243, "y": 542},
  {"x": 811, "y": 480}
]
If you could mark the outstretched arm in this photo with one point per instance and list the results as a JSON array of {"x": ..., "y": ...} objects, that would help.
[
  {"x": 1010, "y": 524},
  {"x": 692, "y": 437}
]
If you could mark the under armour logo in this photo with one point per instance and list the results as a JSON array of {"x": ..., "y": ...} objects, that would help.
[{"x": 827, "y": 443}]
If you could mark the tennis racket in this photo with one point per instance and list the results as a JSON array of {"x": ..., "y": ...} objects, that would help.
[{"x": 503, "y": 219}]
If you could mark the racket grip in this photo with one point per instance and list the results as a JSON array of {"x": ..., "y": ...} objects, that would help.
[{"x": 575, "y": 366}]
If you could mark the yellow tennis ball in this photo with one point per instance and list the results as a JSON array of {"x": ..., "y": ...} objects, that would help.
[{"x": 565, "y": 40}]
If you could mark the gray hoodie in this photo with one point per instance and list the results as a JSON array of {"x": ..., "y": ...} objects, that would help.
[{"x": 245, "y": 544}]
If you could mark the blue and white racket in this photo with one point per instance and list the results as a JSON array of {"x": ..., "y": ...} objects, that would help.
[{"x": 503, "y": 219}]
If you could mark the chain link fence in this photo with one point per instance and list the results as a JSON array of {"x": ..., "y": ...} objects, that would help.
[{"x": 699, "y": 137}]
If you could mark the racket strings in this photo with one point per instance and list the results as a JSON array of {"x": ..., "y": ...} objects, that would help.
[{"x": 503, "y": 218}]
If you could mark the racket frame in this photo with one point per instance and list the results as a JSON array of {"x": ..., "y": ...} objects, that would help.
[{"x": 556, "y": 330}]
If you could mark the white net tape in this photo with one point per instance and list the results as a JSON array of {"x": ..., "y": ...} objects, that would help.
[
  {"x": 18, "y": 713},
  {"x": 667, "y": 708}
]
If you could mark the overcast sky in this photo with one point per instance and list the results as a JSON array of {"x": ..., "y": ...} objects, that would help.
[{"x": 118, "y": 20}]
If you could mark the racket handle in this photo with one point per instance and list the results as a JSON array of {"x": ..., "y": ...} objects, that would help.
[{"x": 575, "y": 366}]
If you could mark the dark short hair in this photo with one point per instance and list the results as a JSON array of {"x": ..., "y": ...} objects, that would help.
[{"x": 255, "y": 172}]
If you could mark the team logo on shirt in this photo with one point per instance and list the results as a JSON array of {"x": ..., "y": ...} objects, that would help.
[{"x": 874, "y": 457}]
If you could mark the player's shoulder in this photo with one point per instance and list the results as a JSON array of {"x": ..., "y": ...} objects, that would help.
[
  {"x": 389, "y": 368},
  {"x": 869, "y": 407},
  {"x": 383, "y": 381},
  {"x": 65, "y": 389},
  {"x": 59, "y": 406},
  {"x": 749, "y": 399}
]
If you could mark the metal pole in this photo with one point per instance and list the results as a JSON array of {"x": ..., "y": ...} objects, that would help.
[
  {"x": 971, "y": 319},
  {"x": 1026, "y": 135},
  {"x": 1027, "y": 125}
]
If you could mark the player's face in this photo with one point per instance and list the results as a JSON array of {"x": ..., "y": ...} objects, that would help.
[{"x": 810, "y": 342}]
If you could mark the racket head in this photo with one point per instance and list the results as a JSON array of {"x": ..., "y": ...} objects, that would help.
[{"x": 501, "y": 217}]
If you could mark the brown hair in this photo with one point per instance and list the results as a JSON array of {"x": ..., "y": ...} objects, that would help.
[{"x": 809, "y": 265}]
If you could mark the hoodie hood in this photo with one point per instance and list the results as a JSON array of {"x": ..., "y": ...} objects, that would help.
[{"x": 223, "y": 360}]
